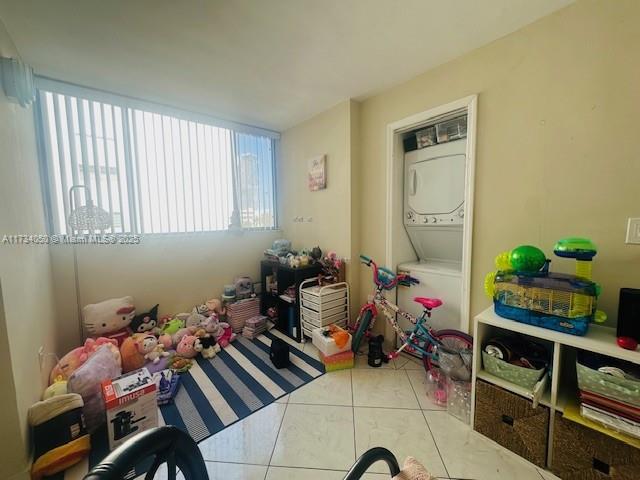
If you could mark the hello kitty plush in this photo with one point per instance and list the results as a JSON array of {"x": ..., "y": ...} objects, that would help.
[
  {"x": 110, "y": 318},
  {"x": 187, "y": 346}
]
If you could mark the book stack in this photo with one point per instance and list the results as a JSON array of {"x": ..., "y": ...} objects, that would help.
[
  {"x": 254, "y": 326},
  {"x": 241, "y": 311}
]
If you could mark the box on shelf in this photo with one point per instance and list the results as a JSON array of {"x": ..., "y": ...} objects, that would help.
[
  {"x": 510, "y": 420},
  {"x": 326, "y": 344},
  {"x": 339, "y": 361},
  {"x": 131, "y": 405}
]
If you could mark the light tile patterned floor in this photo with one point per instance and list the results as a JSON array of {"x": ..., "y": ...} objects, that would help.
[{"x": 328, "y": 423}]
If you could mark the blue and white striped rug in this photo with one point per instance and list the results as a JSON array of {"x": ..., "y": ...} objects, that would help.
[{"x": 218, "y": 392}]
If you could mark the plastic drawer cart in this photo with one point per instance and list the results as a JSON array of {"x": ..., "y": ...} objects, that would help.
[{"x": 323, "y": 305}]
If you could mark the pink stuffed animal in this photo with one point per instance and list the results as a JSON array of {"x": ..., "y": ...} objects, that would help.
[
  {"x": 78, "y": 356},
  {"x": 187, "y": 346},
  {"x": 227, "y": 337}
]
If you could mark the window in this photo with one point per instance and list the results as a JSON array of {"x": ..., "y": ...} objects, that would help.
[{"x": 152, "y": 168}]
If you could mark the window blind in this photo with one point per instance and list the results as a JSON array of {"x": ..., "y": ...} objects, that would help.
[{"x": 153, "y": 168}]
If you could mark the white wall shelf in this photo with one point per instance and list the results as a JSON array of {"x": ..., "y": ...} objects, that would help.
[{"x": 563, "y": 389}]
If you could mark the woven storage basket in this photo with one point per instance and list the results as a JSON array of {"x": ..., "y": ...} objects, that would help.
[
  {"x": 580, "y": 453},
  {"x": 509, "y": 420}
]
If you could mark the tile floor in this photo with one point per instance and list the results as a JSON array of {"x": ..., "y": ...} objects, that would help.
[{"x": 318, "y": 431}]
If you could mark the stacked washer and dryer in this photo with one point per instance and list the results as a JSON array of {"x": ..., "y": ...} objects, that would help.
[{"x": 435, "y": 168}]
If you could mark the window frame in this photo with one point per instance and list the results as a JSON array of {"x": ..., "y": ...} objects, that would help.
[{"x": 130, "y": 105}]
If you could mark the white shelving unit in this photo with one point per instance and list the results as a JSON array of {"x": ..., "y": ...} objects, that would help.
[
  {"x": 563, "y": 385},
  {"x": 321, "y": 306}
]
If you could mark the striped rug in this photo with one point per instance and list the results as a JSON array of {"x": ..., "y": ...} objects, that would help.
[{"x": 217, "y": 392}]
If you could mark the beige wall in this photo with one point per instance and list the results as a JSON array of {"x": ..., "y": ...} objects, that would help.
[
  {"x": 557, "y": 149},
  {"x": 333, "y": 211},
  {"x": 176, "y": 271},
  {"x": 27, "y": 309}
]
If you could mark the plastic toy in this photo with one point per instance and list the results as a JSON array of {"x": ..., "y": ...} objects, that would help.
[
  {"x": 110, "y": 318},
  {"x": 146, "y": 322},
  {"x": 628, "y": 343},
  {"x": 524, "y": 290}
]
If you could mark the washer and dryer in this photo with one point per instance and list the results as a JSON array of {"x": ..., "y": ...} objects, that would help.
[{"x": 434, "y": 195}]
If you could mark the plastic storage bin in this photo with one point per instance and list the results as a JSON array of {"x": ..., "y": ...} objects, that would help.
[
  {"x": 459, "y": 399},
  {"x": 426, "y": 137},
  {"x": 524, "y": 377},
  {"x": 327, "y": 345},
  {"x": 451, "y": 129}
]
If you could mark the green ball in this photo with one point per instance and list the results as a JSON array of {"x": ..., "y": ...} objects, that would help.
[{"x": 527, "y": 258}]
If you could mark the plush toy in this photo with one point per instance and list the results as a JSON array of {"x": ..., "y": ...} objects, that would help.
[
  {"x": 227, "y": 337},
  {"x": 215, "y": 306},
  {"x": 213, "y": 327},
  {"x": 172, "y": 326},
  {"x": 186, "y": 347},
  {"x": 195, "y": 319},
  {"x": 110, "y": 318},
  {"x": 132, "y": 352},
  {"x": 85, "y": 381},
  {"x": 176, "y": 337},
  {"x": 146, "y": 322},
  {"x": 58, "y": 387},
  {"x": 156, "y": 353},
  {"x": 207, "y": 346},
  {"x": 202, "y": 309},
  {"x": 76, "y": 357},
  {"x": 166, "y": 341}
]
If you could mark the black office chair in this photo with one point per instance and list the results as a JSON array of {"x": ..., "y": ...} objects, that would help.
[
  {"x": 171, "y": 445},
  {"x": 163, "y": 444}
]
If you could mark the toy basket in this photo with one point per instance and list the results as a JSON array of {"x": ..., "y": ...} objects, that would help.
[{"x": 565, "y": 303}]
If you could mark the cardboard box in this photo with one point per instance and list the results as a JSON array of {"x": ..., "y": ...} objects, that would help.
[{"x": 131, "y": 406}]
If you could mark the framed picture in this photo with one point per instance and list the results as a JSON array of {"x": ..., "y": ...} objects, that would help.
[{"x": 317, "y": 173}]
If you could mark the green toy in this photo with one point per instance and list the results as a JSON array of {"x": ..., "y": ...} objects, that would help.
[
  {"x": 527, "y": 258},
  {"x": 172, "y": 326}
]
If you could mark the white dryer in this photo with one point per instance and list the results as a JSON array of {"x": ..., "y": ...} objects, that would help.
[{"x": 434, "y": 191}]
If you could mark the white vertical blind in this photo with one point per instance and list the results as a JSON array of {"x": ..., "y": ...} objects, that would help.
[{"x": 153, "y": 171}]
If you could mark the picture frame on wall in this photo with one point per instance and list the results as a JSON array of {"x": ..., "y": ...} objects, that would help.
[{"x": 317, "y": 173}]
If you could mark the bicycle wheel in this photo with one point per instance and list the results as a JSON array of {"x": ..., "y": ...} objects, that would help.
[
  {"x": 453, "y": 339},
  {"x": 363, "y": 326}
]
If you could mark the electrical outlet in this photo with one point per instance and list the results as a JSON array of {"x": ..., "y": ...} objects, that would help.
[{"x": 633, "y": 231}]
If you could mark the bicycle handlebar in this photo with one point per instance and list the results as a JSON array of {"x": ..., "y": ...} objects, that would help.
[{"x": 402, "y": 278}]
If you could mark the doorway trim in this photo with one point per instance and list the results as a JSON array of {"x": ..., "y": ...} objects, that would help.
[{"x": 395, "y": 153}]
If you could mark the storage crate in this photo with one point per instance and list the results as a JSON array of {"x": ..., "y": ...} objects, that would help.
[
  {"x": 511, "y": 421},
  {"x": 451, "y": 129},
  {"x": 583, "y": 453},
  {"x": 524, "y": 377},
  {"x": 323, "y": 305}
]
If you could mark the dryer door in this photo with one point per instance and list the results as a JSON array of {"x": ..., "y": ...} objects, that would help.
[{"x": 436, "y": 185}]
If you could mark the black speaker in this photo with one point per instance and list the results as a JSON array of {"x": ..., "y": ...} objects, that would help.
[{"x": 629, "y": 313}]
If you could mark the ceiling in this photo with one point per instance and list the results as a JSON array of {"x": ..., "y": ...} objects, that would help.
[{"x": 270, "y": 63}]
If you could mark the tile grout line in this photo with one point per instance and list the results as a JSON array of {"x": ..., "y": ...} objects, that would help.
[
  {"x": 275, "y": 444},
  {"x": 428, "y": 426}
]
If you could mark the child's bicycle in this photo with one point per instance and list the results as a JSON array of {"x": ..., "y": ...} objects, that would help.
[{"x": 422, "y": 339}]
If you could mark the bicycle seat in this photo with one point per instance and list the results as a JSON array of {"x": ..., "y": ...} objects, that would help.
[{"x": 428, "y": 303}]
